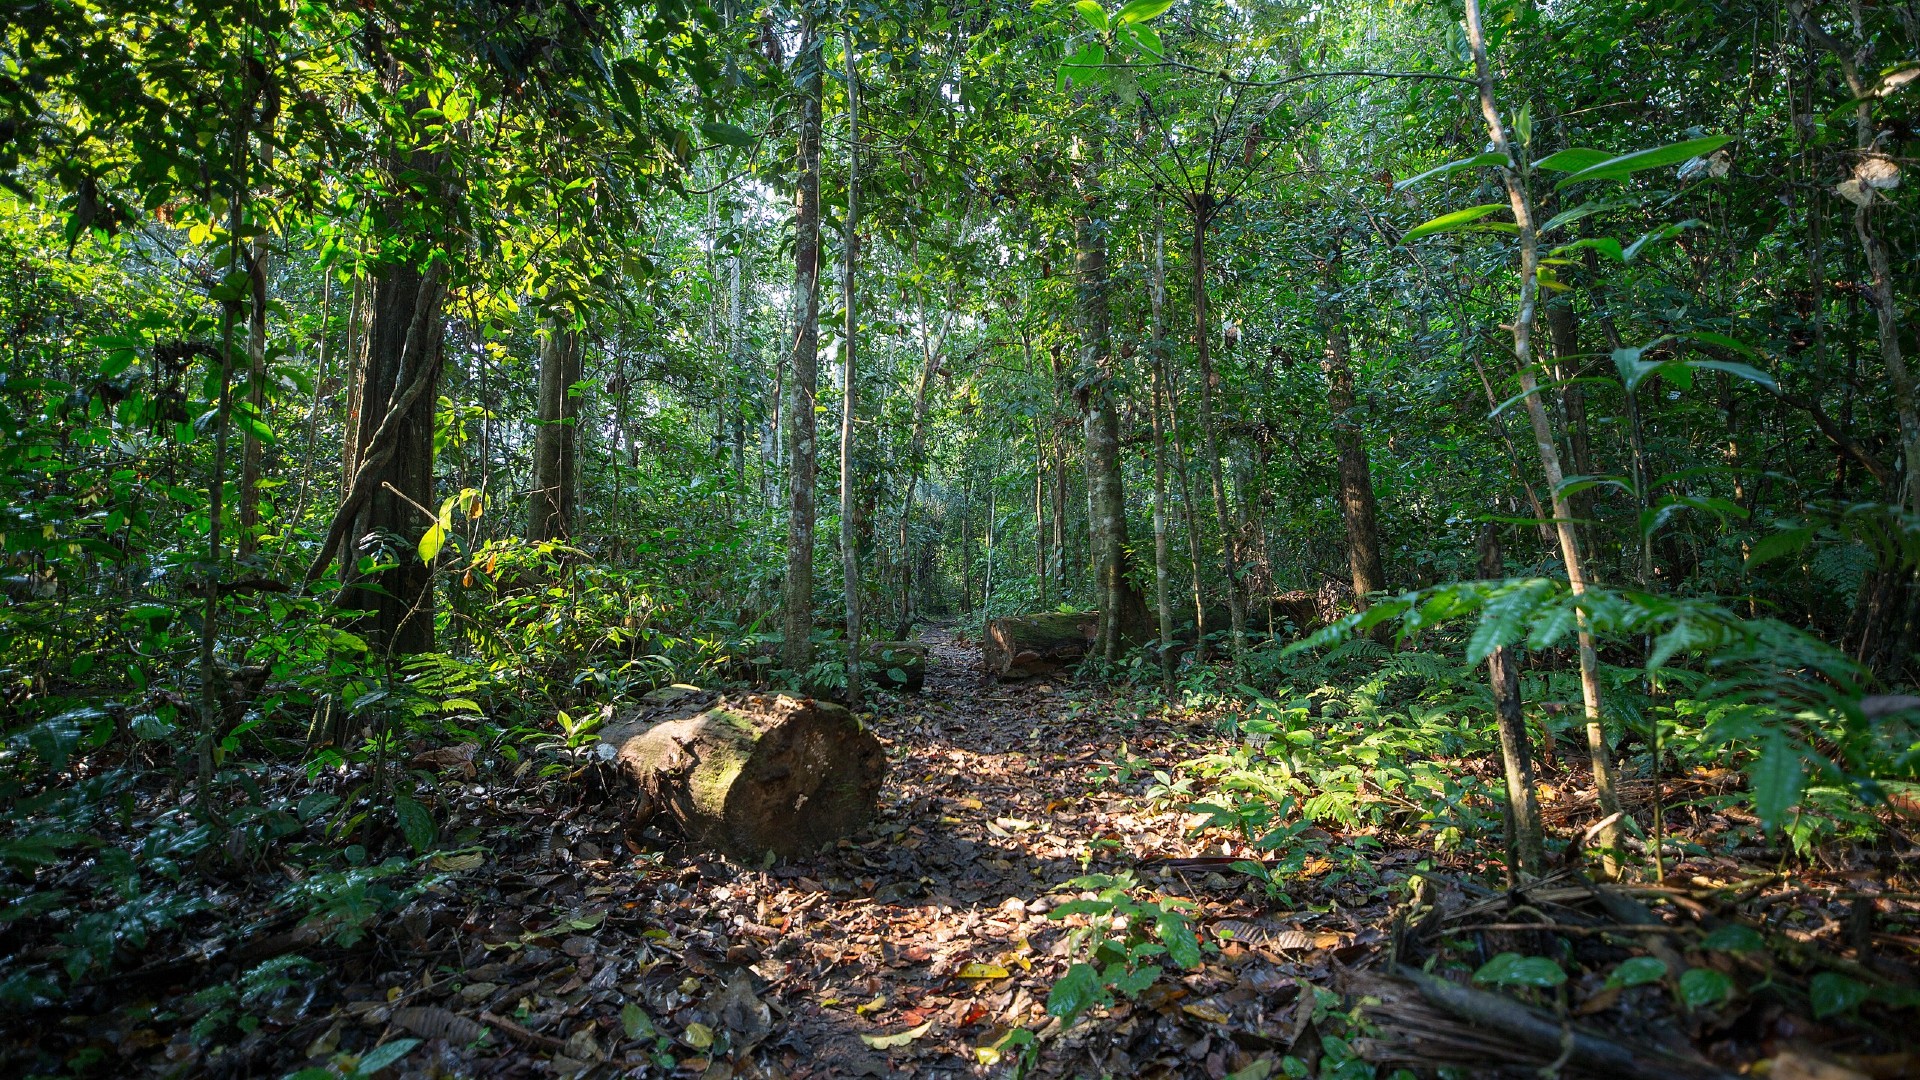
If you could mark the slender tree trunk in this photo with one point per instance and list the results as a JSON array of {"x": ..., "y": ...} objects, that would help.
[
  {"x": 1598, "y": 752},
  {"x": 797, "y": 604},
  {"x": 916, "y": 449},
  {"x": 1202, "y": 206},
  {"x": 1188, "y": 516},
  {"x": 1526, "y": 849},
  {"x": 1563, "y": 331},
  {"x": 1163, "y": 604},
  {"x": 321, "y": 392},
  {"x": 550, "y": 503},
  {"x": 966, "y": 541},
  {"x": 1040, "y": 512},
  {"x": 849, "y": 400},
  {"x": 1356, "y": 479},
  {"x": 252, "y": 451},
  {"x": 1122, "y": 611}
]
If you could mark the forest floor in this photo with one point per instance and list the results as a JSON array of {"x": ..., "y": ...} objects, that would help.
[{"x": 554, "y": 939}]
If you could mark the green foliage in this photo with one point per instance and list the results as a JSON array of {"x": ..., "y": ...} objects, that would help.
[{"x": 1123, "y": 965}]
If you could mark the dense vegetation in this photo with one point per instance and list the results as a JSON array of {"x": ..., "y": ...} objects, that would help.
[{"x": 1494, "y": 422}]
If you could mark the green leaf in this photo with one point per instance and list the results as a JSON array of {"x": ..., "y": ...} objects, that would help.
[
  {"x": 635, "y": 1022},
  {"x": 416, "y": 823},
  {"x": 1733, "y": 937},
  {"x": 1094, "y": 15},
  {"x": 727, "y": 134},
  {"x": 1140, "y": 11},
  {"x": 1638, "y": 971},
  {"x": 1572, "y": 159},
  {"x": 1605, "y": 245},
  {"x": 1459, "y": 219},
  {"x": 1774, "y": 545},
  {"x": 1738, "y": 370},
  {"x": 1775, "y": 775},
  {"x": 1176, "y": 933},
  {"x": 1491, "y": 157},
  {"x": 384, "y": 1055},
  {"x": 1512, "y": 969},
  {"x": 431, "y": 542},
  {"x": 1626, "y": 165},
  {"x": 1832, "y": 992},
  {"x": 1701, "y": 987},
  {"x": 1714, "y": 337},
  {"x": 1075, "y": 993},
  {"x": 1084, "y": 67}
]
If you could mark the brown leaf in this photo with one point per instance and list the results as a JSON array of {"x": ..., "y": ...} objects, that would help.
[{"x": 435, "y": 1023}]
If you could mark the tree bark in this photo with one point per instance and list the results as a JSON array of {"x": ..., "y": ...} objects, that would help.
[
  {"x": 252, "y": 451},
  {"x": 850, "y": 397},
  {"x": 1598, "y": 752},
  {"x": 1202, "y": 206},
  {"x": 393, "y": 445},
  {"x": 1526, "y": 847},
  {"x": 754, "y": 776},
  {"x": 550, "y": 503},
  {"x": 1163, "y": 604},
  {"x": 1023, "y": 646},
  {"x": 1122, "y": 608},
  {"x": 1357, "y": 506},
  {"x": 797, "y": 603}
]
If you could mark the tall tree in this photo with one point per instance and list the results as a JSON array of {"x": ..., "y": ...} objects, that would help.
[
  {"x": 797, "y": 600},
  {"x": 551, "y": 498}
]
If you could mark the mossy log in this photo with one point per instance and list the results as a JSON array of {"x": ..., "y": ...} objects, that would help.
[
  {"x": 897, "y": 665},
  {"x": 1024, "y": 646},
  {"x": 752, "y": 776}
]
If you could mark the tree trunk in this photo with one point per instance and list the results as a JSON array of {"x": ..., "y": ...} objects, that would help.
[
  {"x": 1526, "y": 847},
  {"x": 916, "y": 449},
  {"x": 393, "y": 460},
  {"x": 1023, "y": 646},
  {"x": 1598, "y": 752},
  {"x": 1163, "y": 604},
  {"x": 754, "y": 776},
  {"x": 797, "y": 603},
  {"x": 1188, "y": 517},
  {"x": 1202, "y": 206},
  {"x": 850, "y": 398},
  {"x": 252, "y": 452},
  {"x": 1123, "y": 610},
  {"x": 1356, "y": 479},
  {"x": 550, "y": 503}
]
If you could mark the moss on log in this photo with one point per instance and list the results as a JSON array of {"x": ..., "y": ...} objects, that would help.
[
  {"x": 897, "y": 665},
  {"x": 1024, "y": 646},
  {"x": 752, "y": 776}
]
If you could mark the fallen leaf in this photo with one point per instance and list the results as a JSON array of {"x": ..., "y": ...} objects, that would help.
[
  {"x": 879, "y": 1002},
  {"x": 1207, "y": 1011},
  {"x": 698, "y": 1036},
  {"x": 889, "y": 1042},
  {"x": 982, "y": 971}
]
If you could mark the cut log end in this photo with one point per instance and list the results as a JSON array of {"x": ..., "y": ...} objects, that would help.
[{"x": 757, "y": 775}]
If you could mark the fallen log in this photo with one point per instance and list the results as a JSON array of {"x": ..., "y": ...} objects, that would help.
[
  {"x": 897, "y": 665},
  {"x": 753, "y": 776},
  {"x": 1024, "y": 646}
]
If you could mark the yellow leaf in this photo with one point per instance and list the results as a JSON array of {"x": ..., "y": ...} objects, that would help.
[
  {"x": 973, "y": 804},
  {"x": 452, "y": 864},
  {"x": 982, "y": 971},
  {"x": 698, "y": 1036},
  {"x": 1205, "y": 1011},
  {"x": 888, "y": 1042},
  {"x": 879, "y": 1002}
]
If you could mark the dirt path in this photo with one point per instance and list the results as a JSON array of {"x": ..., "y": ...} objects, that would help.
[
  {"x": 550, "y": 940},
  {"x": 992, "y": 804}
]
